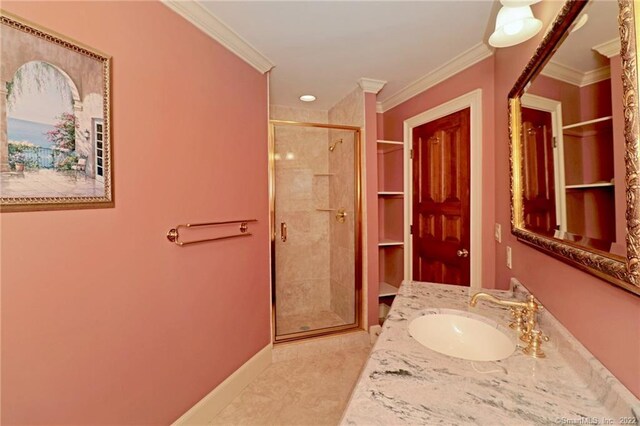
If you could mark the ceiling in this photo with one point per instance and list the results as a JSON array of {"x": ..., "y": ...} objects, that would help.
[
  {"x": 324, "y": 47},
  {"x": 602, "y": 26}
]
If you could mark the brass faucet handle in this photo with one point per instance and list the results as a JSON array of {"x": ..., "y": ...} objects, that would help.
[
  {"x": 534, "y": 303},
  {"x": 519, "y": 316},
  {"x": 534, "y": 348}
]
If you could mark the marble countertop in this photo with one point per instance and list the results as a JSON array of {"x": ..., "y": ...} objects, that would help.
[{"x": 404, "y": 382}]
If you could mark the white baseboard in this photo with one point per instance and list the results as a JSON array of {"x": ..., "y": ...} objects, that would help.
[{"x": 208, "y": 407}]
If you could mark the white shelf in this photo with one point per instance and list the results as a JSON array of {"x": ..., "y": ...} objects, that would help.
[
  {"x": 390, "y": 193},
  {"x": 385, "y": 147},
  {"x": 386, "y": 289},
  {"x": 590, "y": 185},
  {"x": 389, "y": 243},
  {"x": 585, "y": 123}
]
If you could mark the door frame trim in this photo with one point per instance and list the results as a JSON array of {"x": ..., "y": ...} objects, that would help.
[
  {"x": 555, "y": 109},
  {"x": 472, "y": 100}
]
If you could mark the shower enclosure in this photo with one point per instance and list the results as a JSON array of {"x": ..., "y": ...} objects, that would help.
[{"x": 315, "y": 191}]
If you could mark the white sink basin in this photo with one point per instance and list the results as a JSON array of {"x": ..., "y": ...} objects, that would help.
[{"x": 462, "y": 335}]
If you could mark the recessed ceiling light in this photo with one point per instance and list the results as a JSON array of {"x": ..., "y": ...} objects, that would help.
[{"x": 307, "y": 98}]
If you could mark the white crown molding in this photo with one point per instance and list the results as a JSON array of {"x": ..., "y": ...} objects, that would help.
[
  {"x": 370, "y": 85},
  {"x": 562, "y": 72},
  {"x": 461, "y": 62},
  {"x": 379, "y": 109},
  {"x": 573, "y": 76},
  {"x": 206, "y": 21},
  {"x": 609, "y": 48},
  {"x": 594, "y": 76}
]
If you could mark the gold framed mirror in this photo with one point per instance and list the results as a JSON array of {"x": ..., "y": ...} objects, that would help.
[{"x": 574, "y": 154}]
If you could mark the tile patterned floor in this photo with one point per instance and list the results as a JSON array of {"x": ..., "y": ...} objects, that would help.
[
  {"x": 313, "y": 320},
  {"x": 49, "y": 183},
  {"x": 305, "y": 391}
]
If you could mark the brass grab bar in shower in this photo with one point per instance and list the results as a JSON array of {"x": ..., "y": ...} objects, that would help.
[{"x": 174, "y": 236}]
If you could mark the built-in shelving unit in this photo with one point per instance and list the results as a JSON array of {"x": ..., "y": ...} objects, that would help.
[
  {"x": 388, "y": 243},
  {"x": 385, "y": 290},
  {"x": 389, "y": 146},
  {"x": 586, "y": 123},
  {"x": 588, "y": 174},
  {"x": 590, "y": 185},
  {"x": 390, "y": 220}
]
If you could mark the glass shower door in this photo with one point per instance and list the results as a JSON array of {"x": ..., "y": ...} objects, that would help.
[{"x": 314, "y": 215}]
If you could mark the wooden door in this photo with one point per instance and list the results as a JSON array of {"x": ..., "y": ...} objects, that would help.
[
  {"x": 539, "y": 196},
  {"x": 441, "y": 200}
]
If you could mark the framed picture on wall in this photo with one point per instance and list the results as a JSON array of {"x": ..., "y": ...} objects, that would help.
[{"x": 55, "y": 116}]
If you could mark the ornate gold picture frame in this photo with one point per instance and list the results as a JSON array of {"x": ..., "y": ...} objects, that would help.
[
  {"x": 55, "y": 121},
  {"x": 614, "y": 269}
]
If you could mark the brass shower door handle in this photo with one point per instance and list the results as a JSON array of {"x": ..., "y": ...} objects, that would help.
[{"x": 283, "y": 232}]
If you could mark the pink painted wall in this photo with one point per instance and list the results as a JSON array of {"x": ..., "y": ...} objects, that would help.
[
  {"x": 392, "y": 160},
  {"x": 603, "y": 317},
  {"x": 371, "y": 169},
  {"x": 579, "y": 103},
  {"x": 566, "y": 93},
  {"x": 479, "y": 76},
  {"x": 103, "y": 320},
  {"x": 595, "y": 100},
  {"x": 380, "y": 123}
]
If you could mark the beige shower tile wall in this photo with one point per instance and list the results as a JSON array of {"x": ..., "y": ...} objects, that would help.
[
  {"x": 302, "y": 262},
  {"x": 281, "y": 112},
  {"x": 349, "y": 111}
]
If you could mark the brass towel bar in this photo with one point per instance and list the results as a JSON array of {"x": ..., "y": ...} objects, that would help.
[{"x": 174, "y": 236}]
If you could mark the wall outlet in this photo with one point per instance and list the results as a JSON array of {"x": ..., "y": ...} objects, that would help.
[
  {"x": 498, "y": 232},
  {"x": 509, "y": 264}
]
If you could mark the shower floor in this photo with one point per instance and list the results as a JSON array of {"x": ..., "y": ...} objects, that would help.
[{"x": 314, "y": 320}]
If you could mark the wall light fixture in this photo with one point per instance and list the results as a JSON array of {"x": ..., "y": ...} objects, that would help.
[{"x": 515, "y": 23}]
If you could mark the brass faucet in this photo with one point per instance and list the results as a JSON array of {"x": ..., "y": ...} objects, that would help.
[{"x": 525, "y": 321}]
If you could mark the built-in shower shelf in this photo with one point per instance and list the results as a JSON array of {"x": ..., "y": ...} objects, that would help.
[
  {"x": 388, "y": 243},
  {"x": 385, "y": 289},
  {"x": 390, "y": 193},
  {"x": 324, "y": 174},
  {"x": 327, "y": 210}
]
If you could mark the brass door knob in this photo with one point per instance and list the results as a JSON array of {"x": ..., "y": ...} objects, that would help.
[{"x": 463, "y": 253}]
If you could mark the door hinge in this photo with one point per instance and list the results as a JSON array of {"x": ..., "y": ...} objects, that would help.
[
  {"x": 555, "y": 142},
  {"x": 411, "y": 229},
  {"x": 411, "y": 153}
]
